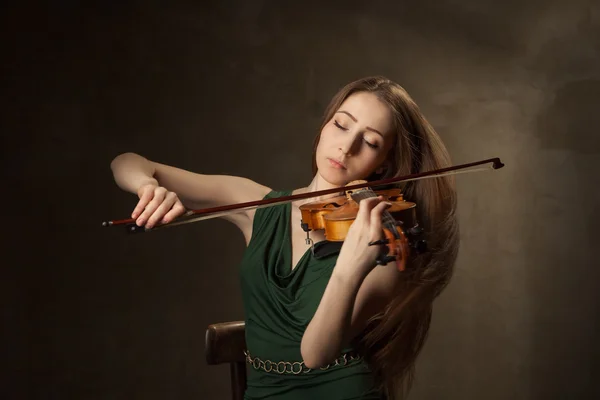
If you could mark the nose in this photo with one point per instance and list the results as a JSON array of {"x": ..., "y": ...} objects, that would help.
[{"x": 349, "y": 143}]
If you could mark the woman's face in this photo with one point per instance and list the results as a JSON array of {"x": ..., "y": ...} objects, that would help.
[{"x": 355, "y": 142}]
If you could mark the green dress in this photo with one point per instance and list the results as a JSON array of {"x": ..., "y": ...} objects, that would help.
[{"x": 279, "y": 303}]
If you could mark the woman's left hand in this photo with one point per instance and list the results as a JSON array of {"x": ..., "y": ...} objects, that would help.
[{"x": 357, "y": 258}]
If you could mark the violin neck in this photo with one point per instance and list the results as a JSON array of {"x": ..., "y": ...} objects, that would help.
[
  {"x": 366, "y": 193},
  {"x": 361, "y": 194}
]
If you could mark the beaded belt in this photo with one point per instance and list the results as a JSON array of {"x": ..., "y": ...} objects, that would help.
[{"x": 296, "y": 367}]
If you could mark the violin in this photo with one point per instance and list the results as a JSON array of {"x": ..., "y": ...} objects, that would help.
[{"x": 336, "y": 215}]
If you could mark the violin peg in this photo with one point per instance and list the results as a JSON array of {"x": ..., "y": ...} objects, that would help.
[
  {"x": 384, "y": 260},
  {"x": 419, "y": 246},
  {"x": 415, "y": 231},
  {"x": 378, "y": 242}
]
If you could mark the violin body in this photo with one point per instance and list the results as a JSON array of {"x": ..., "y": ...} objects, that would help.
[
  {"x": 400, "y": 227},
  {"x": 336, "y": 214}
]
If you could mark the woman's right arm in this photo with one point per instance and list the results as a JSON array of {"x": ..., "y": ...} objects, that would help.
[
  {"x": 165, "y": 190},
  {"x": 132, "y": 171}
]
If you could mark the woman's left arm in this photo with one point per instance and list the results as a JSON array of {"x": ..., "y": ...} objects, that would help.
[{"x": 357, "y": 290}]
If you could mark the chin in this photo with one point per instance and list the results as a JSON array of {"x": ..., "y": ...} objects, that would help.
[{"x": 335, "y": 177}]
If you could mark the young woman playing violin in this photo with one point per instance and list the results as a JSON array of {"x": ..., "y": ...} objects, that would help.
[{"x": 334, "y": 325}]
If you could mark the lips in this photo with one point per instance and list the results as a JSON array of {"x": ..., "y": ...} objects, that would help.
[{"x": 337, "y": 163}]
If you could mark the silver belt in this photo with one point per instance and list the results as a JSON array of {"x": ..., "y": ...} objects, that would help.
[{"x": 296, "y": 367}]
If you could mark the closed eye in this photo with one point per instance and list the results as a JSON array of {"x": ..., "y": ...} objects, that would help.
[
  {"x": 339, "y": 126},
  {"x": 371, "y": 145}
]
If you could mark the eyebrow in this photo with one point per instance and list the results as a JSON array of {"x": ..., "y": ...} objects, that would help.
[{"x": 355, "y": 120}]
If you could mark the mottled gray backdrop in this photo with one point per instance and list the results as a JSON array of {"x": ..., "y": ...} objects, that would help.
[{"x": 238, "y": 87}]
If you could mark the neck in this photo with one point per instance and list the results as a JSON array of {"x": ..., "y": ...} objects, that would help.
[{"x": 317, "y": 183}]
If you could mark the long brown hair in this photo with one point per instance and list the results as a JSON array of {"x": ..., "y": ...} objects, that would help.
[{"x": 395, "y": 337}]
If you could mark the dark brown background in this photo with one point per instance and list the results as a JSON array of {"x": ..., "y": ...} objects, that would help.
[{"x": 238, "y": 88}]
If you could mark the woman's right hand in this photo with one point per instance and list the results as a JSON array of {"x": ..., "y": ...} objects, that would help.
[{"x": 156, "y": 205}]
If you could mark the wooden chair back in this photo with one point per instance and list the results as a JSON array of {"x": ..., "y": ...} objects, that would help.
[{"x": 225, "y": 343}]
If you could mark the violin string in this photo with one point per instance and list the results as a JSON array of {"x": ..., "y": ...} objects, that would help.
[{"x": 186, "y": 218}]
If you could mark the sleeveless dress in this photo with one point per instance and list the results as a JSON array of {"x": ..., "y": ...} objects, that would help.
[{"x": 278, "y": 304}]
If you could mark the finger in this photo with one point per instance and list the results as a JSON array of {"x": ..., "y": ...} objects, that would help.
[
  {"x": 376, "y": 229},
  {"x": 177, "y": 210},
  {"x": 157, "y": 199},
  {"x": 168, "y": 210},
  {"x": 365, "y": 206},
  {"x": 162, "y": 209},
  {"x": 141, "y": 205}
]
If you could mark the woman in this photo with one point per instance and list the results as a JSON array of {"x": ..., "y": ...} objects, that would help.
[{"x": 328, "y": 324}]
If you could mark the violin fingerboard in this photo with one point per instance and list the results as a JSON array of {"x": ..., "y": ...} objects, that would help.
[{"x": 366, "y": 193}]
